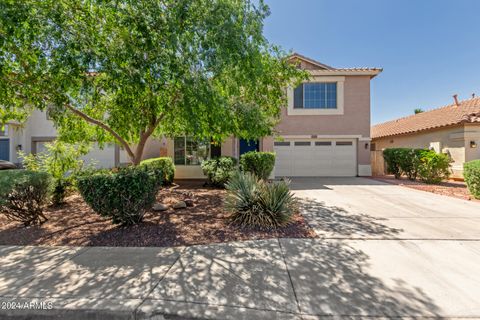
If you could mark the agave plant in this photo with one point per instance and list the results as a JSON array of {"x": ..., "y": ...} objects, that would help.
[{"x": 257, "y": 203}]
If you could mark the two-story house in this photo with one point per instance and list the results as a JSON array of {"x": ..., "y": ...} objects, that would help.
[{"x": 324, "y": 130}]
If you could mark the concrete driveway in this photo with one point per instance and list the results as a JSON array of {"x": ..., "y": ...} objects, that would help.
[
  {"x": 359, "y": 208},
  {"x": 386, "y": 250}
]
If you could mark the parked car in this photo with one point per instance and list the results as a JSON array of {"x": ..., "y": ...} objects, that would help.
[{"x": 5, "y": 165}]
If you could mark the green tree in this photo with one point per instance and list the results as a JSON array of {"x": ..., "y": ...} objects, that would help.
[
  {"x": 417, "y": 110},
  {"x": 123, "y": 71}
]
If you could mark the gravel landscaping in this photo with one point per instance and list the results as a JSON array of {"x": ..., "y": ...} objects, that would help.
[
  {"x": 75, "y": 224},
  {"x": 456, "y": 189}
]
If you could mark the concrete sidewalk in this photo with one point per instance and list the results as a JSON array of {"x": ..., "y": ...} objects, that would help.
[{"x": 269, "y": 279}]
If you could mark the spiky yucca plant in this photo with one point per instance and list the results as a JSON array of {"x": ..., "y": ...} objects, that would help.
[{"x": 257, "y": 203}]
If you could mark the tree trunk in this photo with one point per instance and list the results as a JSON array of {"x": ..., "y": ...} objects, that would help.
[
  {"x": 135, "y": 156},
  {"x": 138, "y": 153}
]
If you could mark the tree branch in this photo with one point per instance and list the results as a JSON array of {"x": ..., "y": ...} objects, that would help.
[{"x": 104, "y": 126}]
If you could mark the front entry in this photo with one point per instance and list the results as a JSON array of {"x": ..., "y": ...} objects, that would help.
[{"x": 248, "y": 145}]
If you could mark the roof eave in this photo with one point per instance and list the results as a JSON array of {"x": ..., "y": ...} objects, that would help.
[
  {"x": 370, "y": 72},
  {"x": 420, "y": 130},
  {"x": 296, "y": 55}
]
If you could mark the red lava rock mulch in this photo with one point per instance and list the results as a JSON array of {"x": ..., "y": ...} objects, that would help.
[
  {"x": 456, "y": 189},
  {"x": 75, "y": 224}
]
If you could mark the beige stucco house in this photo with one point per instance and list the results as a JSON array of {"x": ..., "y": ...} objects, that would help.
[
  {"x": 324, "y": 131},
  {"x": 452, "y": 129}
]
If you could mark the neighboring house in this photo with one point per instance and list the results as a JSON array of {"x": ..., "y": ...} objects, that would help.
[
  {"x": 324, "y": 130},
  {"x": 452, "y": 129},
  {"x": 31, "y": 137}
]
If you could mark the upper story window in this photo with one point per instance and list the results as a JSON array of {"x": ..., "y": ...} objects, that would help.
[
  {"x": 190, "y": 152},
  {"x": 316, "y": 95}
]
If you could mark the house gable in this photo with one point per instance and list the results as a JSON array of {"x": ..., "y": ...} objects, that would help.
[{"x": 308, "y": 64}]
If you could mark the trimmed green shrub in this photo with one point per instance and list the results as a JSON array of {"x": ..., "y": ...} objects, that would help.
[
  {"x": 259, "y": 163},
  {"x": 429, "y": 166},
  {"x": 219, "y": 170},
  {"x": 163, "y": 169},
  {"x": 408, "y": 161},
  {"x": 392, "y": 160},
  {"x": 471, "y": 173},
  {"x": 122, "y": 196},
  {"x": 433, "y": 167},
  {"x": 24, "y": 194},
  {"x": 258, "y": 203}
]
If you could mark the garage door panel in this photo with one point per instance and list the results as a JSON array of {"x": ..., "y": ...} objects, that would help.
[{"x": 316, "y": 158}]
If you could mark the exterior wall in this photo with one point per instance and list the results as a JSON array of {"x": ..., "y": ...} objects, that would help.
[
  {"x": 363, "y": 157},
  {"x": 228, "y": 147},
  {"x": 452, "y": 140},
  {"x": 152, "y": 148},
  {"x": 266, "y": 144},
  {"x": 305, "y": 65},
  {"x": 353, "y": 122},
  {"x": 472, "y": 133},
  {"x": 355, "y": 119}
]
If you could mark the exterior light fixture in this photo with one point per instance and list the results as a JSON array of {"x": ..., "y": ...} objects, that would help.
[{"x": 473, "y": 144}]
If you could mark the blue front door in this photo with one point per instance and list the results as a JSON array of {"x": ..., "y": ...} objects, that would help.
[
  {"x": 248, "y": 145},
  {"x": 5, "y": 149}
]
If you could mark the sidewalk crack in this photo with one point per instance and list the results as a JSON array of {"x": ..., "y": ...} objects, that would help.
[
  {"x": 289, "y": 276},
  {"x": 135, "y": 311}
]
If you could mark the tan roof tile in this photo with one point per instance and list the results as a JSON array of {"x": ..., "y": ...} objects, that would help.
[
  {"x": 468, "y": 111},
  {"x": 325, "y": 67}
]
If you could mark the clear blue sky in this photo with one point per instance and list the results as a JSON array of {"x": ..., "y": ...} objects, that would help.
[{"x": 429, "y": 49}]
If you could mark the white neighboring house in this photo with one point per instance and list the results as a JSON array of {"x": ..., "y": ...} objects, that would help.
[{"x": 31, "y": 137}]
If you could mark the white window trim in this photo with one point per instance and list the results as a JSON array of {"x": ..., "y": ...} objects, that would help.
[
  {"x": 185, "y": 165},
  {"x": 291, "y": 111}
]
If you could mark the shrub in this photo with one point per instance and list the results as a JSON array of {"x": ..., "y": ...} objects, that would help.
[
  {"x": 433, "y": 167},
  {"x": 408, "y": 161},
  {"x": 62, "y": 161},
  {"x": 259, "y": 163},
  {"x": 24, "y": 194},
  {"x": 392, "y": 160},
  {"x": 405, "y": 161},
  {"x": 257, "y": 203},
  {"x": 162, "y": 168},
  {"x": 122, "y": 196},
  {"x": 428, "y": 165},
  {"x": 219, "y": 170},
  {"x": 471, "y": 173}
]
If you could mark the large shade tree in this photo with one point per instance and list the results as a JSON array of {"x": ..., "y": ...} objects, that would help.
[{"x": 126, "y": 70}]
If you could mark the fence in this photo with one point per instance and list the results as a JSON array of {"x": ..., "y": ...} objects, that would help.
[{"x": 378, "y": 163}]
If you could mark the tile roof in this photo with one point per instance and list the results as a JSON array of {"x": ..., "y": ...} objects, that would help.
[
  {"x": 468, "y": 111},
  {"x": 326, "y": 69},
  {"x": 315, "y": 62},
  {"x": 360, "y": 69}
]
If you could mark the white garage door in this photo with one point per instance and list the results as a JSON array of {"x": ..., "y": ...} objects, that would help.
[
  {"x": 319, "y": 158},
  {"x": 101, "y": 158}
]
